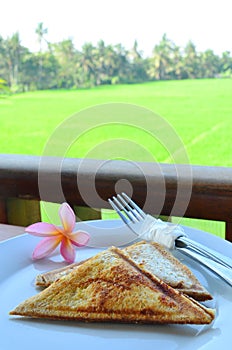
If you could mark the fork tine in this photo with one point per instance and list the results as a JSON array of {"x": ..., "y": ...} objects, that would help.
[
  {"x": 134, "y": 205},
  {"x": 132, "y": 210},
  {"x": 128, "y": 213},
  {"x": 124, "y": 219}
]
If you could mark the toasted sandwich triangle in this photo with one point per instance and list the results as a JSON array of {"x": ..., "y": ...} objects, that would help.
[
  {"x": 110, "y": 288},
  {"x": 153, "y": 258}
]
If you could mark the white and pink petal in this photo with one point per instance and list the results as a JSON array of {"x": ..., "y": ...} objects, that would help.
[
  {"x": 46, "y": 247},
  {"x": 79, "y": 238},
  {"x": 42, "y": 229},
  {"x": 67, "y": 250},
  {"x": 67, "y": 217}
]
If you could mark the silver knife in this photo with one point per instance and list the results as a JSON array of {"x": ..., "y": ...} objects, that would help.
[{"x": 225, "y": 273}]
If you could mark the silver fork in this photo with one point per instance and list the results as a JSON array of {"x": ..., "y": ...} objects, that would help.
[{"x": 132, "y": 214}]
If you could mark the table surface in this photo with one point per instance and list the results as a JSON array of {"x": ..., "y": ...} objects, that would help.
[{"x": 10, "y": 231}]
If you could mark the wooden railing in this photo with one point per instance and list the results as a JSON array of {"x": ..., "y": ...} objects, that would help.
[{"x": 26, "y": 180}]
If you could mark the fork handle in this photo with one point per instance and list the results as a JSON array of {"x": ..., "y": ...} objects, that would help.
[
  {"x": 184, "y": 241},
  {"x": 223, "y": 272}
]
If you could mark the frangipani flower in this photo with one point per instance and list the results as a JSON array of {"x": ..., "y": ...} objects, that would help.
[{"x": 56, "y": 235}]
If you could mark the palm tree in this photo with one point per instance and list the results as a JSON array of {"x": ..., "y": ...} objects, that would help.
[
  {"x": 14, "y": 45},
  {"x": 67, "y": 57},
  {"x": 226, "y": 63},
  {"x": 87, "y": 65},
  {"x": 3, "y": 87},
  {"x": 123, "y": 68},
  {"x": 191, "y": 61},
  {"x": 12, "y": 53},
  {"x": 160, "y": 62},
  {"x": 210, "y": 64},
  {"x": 41, "y": 31},
  {"x": 177, "y": 68},
  {"x": 138, "y": 64},
  {"x": 105, "y": 63},
  {"x": 134, "y": 53}
]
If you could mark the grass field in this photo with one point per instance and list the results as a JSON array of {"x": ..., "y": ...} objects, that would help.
[{"x": 199, "y": 111}]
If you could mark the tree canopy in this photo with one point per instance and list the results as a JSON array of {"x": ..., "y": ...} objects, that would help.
[{"x": 61, "y": 65}]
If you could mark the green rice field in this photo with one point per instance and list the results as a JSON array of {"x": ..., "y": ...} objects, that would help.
[{"x": 198, "y": 111}]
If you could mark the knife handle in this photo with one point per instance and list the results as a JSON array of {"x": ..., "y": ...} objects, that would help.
[{"x": 223, "y": 272}]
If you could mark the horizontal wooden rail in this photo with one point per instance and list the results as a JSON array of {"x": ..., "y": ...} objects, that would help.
[{"x": 200, "y": 192}]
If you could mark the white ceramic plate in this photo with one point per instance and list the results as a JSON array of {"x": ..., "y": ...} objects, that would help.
[{"x": 17, "y": 283}]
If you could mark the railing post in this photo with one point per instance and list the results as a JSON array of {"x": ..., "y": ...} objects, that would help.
[
  {"x": 3, "y": 213},
  {"x": 228, "y": 234},
  {"x": 22, "y": 212},
  {"x": 85, "y": 213}
]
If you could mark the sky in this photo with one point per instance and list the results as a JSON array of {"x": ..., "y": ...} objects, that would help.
[{"x": 207, "y": 23}]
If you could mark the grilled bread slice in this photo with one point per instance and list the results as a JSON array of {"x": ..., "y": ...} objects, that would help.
[
  {"x": 47, "y": 278},
  {"x": 110, "y": 287},
  {"x": 155, "y": 259}
]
